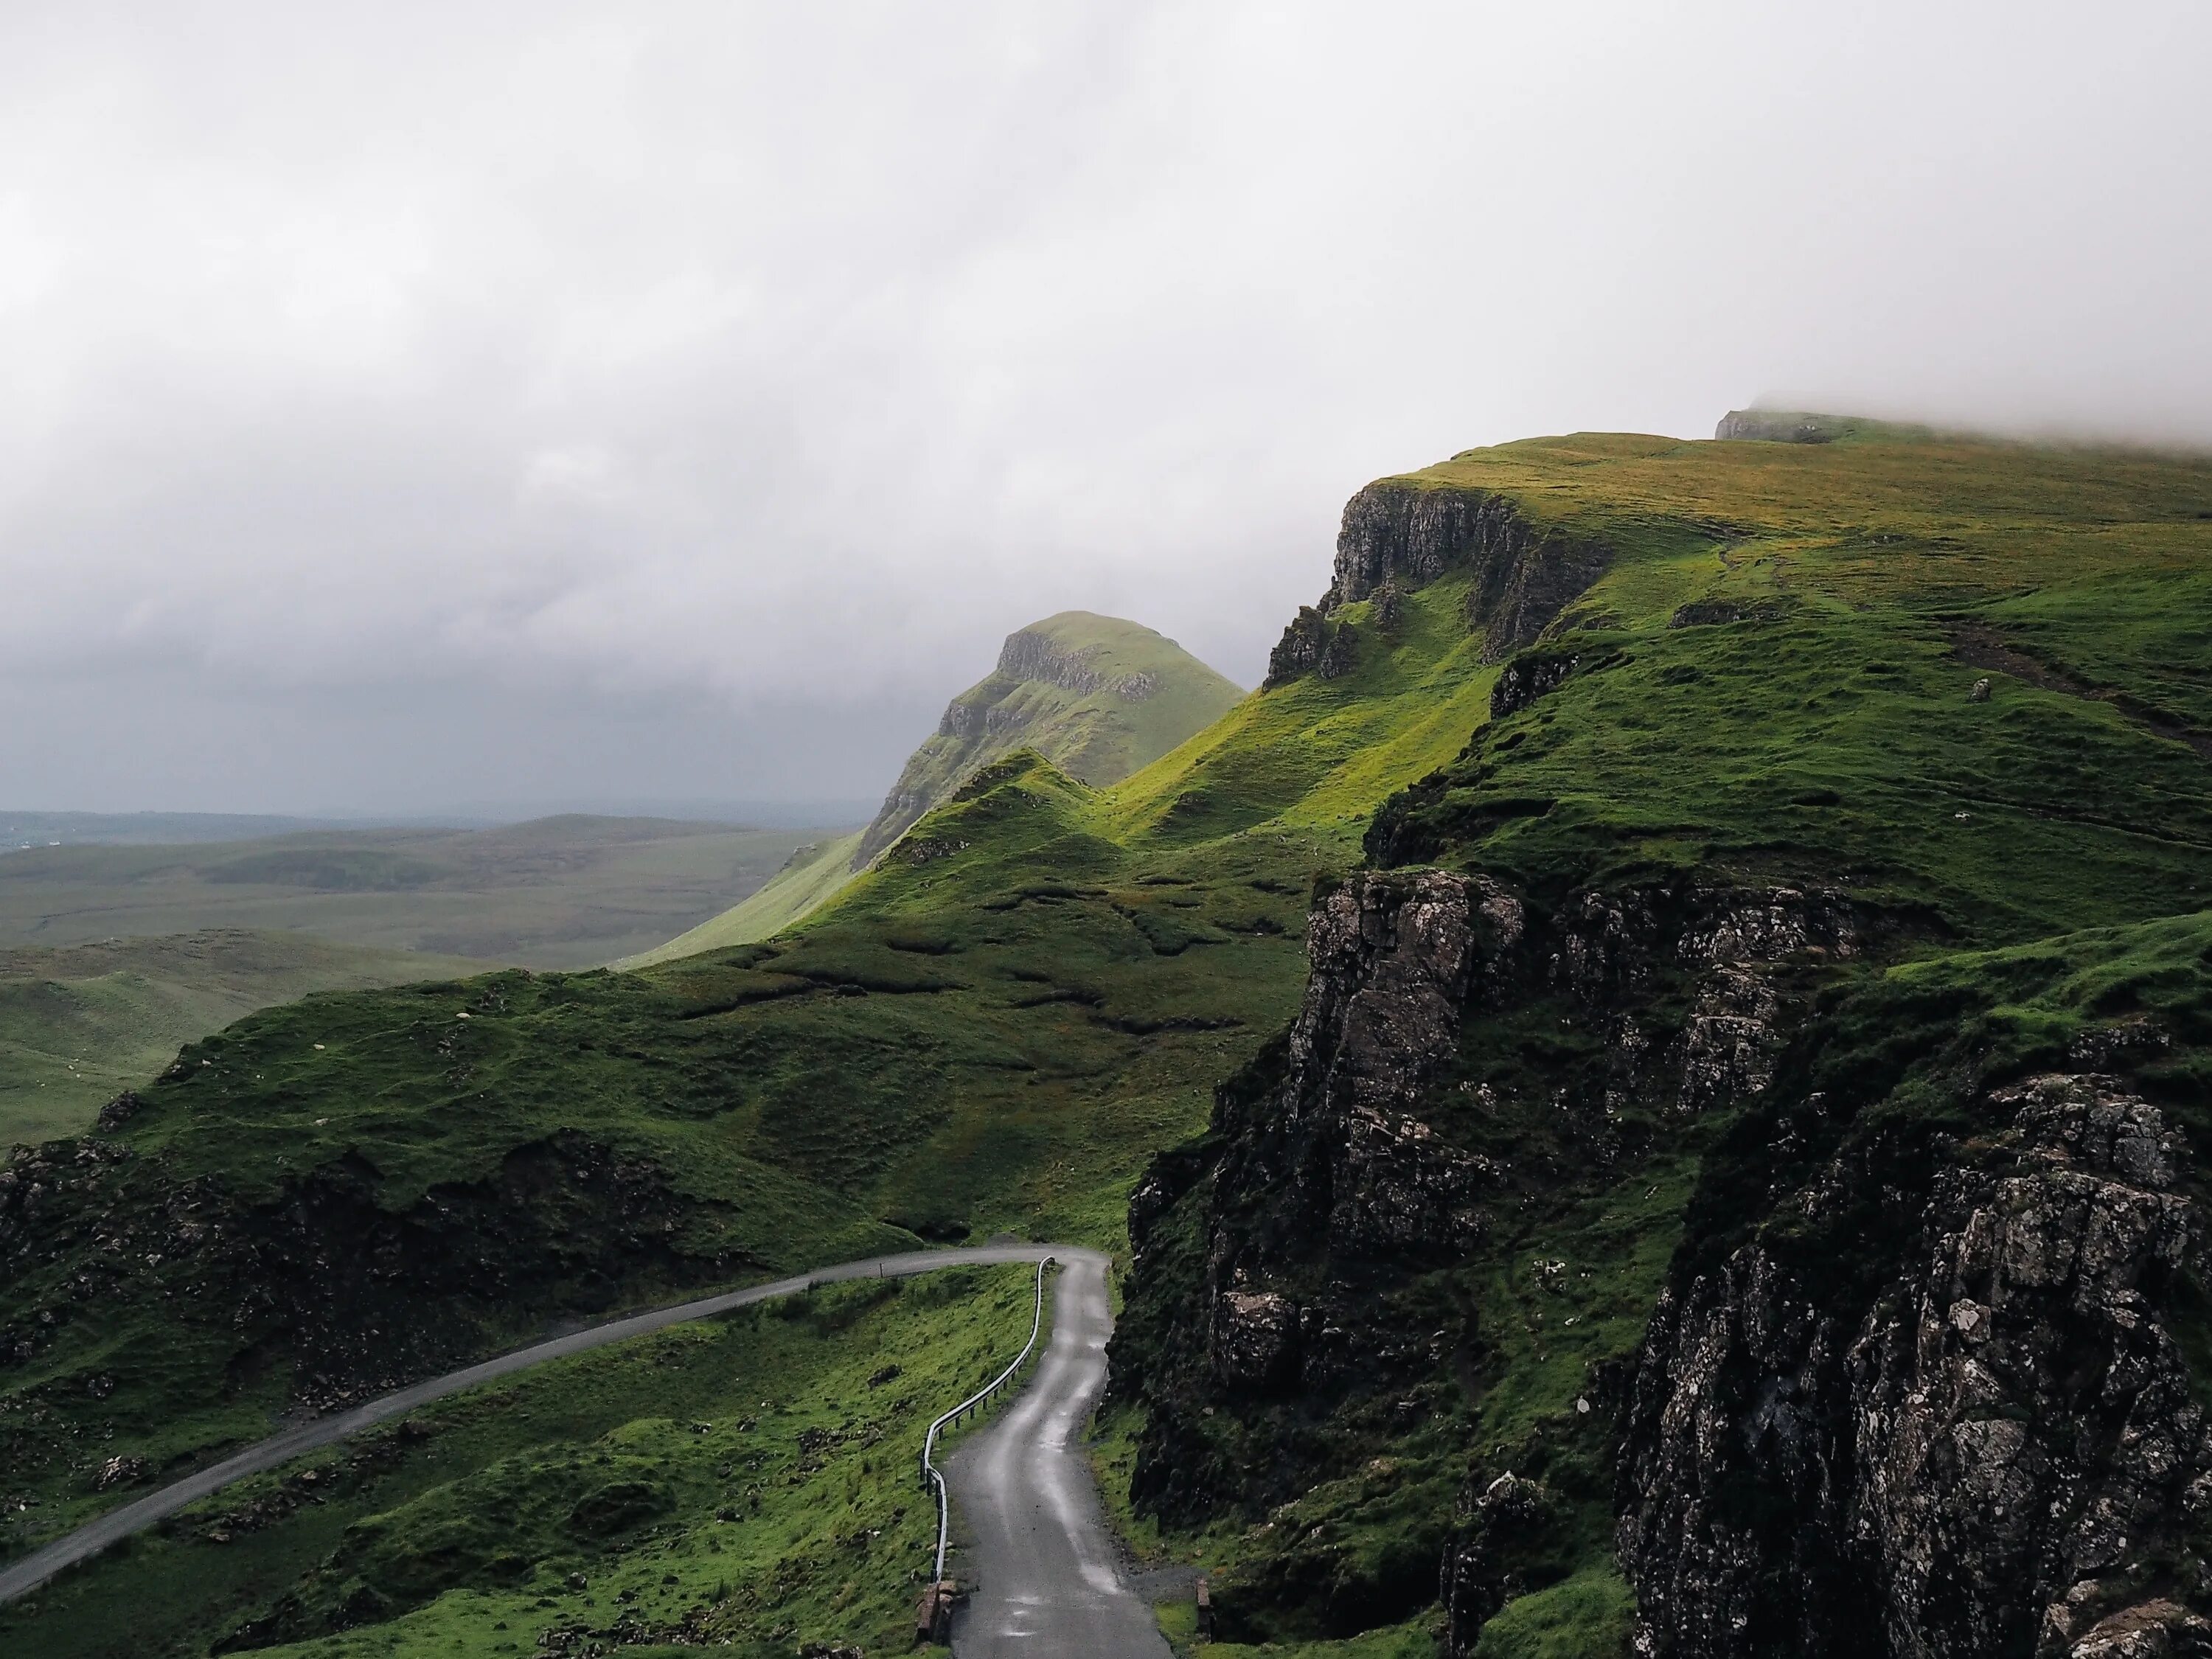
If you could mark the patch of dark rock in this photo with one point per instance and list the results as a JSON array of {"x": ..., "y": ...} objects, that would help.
[
  {"x": 1152, "y": 1024},
  {"x": 118, "y": 1111},
  {"x": 1310, "y": 642},
  {"x": 1289, "y": 1267},
  {"x": 1994, "y": 1396}
]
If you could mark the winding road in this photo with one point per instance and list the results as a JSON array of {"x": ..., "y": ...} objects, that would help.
[
  {"x": 1036, "y": 1465},
  {"x": 1045, "y": 1576}
]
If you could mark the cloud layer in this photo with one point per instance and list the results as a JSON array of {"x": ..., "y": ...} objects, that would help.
[{"x": 420, "y": 404}]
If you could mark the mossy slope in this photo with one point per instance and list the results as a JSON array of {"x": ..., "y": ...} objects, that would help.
[{"x": 81, "y": 1024}]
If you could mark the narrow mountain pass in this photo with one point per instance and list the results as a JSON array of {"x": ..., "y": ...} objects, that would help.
[
  {"x": 1046, "y": 1576},
  {"x": 19, "y": 1578}
]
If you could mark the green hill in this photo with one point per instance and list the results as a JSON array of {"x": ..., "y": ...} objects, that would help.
[
  {"x": 1095, "y": 695},
  {"x": 81, "y": 1024},
  {"x": 1647, "y": 852}
]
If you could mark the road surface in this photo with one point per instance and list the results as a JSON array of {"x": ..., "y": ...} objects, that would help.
[
  {"x": 1047, "y": 1578},
  {"x": 33, "y": 1570}
]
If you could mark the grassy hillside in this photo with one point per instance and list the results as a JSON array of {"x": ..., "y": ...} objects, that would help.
[
  {"x": 560, "y": 892},
  {"x": 807, "y": 881},
  {"x": 81, "y": 1024},
  {"x": 1772, "y": 680},
  {"x": 995, "y": 1039}
]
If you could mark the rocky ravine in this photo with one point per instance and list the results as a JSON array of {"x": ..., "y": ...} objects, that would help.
[{"x": 1918, "y": 1396}]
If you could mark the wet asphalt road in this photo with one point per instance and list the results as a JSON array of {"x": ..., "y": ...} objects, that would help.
[
  {"x": 22, "y": 1577},
  {"x": 1033, "y": 1540}
]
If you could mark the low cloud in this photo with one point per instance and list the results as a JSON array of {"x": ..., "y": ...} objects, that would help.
[{"x": 690, "y": 397}]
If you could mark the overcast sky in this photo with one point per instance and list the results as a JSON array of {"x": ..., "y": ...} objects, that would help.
[{"x": 412, "y": 405}]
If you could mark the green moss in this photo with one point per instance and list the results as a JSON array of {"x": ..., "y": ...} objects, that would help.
[{"x": 1590, "y": 1616}]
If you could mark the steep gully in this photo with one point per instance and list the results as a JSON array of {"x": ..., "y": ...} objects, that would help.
[{"x": 1054, "y": 1574}]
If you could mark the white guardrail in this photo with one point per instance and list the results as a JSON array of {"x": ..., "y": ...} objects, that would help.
[{"x": 930, "y": 1472}]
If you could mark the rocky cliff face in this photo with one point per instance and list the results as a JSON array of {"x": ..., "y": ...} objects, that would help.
[
  {"x": 1776, "y": 426},
  {"x": 1997, "y": 1451},
  {"x": 1399, "y": 1133},
  {"x": 1918, "y": 1383},
  {"x": 1030, "y": 655},
  {"x": 1398, "y": 536}
]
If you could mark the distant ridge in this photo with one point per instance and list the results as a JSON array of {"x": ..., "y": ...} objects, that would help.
[
  {"x": 19, "y": 829},
  {"x": 1796, "y": 426}
]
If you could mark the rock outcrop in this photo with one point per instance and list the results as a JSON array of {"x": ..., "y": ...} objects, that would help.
[
  {"x": 1776, "y": 426},
  {"x": 1529, "y": 677},
  {"x": 1312, "y": 644},
  {"x": 1400, "y": 535},
  {"x": 1362, "y": 1154},
  {"x": 1910, "y": 1390},
  {"x": 1031, "y": 654},
  {"x": 1993, "y": 1448}
]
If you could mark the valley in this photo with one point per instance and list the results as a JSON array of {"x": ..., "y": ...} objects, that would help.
[
  {"x": 560, "y": 893},
  {"x": 1650, "y": 916}
]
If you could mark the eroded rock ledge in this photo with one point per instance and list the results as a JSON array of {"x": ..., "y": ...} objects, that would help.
[
  {"x": 1399, "y": 535},
  {"x": 1916, "y": 1386}
]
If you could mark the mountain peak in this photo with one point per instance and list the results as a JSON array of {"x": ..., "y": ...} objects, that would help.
[{"x": 1098, "y": 697}]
